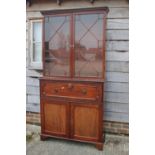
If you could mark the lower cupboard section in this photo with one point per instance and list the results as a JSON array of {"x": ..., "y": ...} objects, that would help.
[{"x": 71, "y": 120}]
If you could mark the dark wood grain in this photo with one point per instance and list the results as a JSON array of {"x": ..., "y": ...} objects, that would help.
[
  {"x": 70, "y": 89},
  {"x": 56, "y": 118},
  {"x": 76, "y": 117},
  {"x": 85, "y": 121}
]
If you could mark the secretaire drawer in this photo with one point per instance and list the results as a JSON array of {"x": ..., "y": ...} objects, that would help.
[{"x": 71, "y": 89}]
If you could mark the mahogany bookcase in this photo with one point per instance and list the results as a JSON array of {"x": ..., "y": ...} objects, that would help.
[{"x": 72, "y": 86}]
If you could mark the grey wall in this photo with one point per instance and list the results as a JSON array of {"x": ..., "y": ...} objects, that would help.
[{"x": 117, "y": 58}]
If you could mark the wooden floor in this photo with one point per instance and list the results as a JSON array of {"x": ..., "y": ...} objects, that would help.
[{"x": 114, "y": 145}]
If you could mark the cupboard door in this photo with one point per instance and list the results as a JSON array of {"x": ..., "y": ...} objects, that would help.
[
  {"x": 85, "y": 122},
  {"x": 55, "y": 118}
]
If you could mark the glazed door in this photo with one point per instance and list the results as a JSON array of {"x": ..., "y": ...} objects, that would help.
[
  {"x": 57, "y": 45},
  {"x": 55, "y": 115},
  {"x": 89, "y": 45},
  {"x": 85, "y": 123},
  {"x": 74, "y": 45}
]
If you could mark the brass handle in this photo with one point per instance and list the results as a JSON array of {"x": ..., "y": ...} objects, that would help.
[
  {"x": 62, "y": 88},
  {"x": 84, "y": 91},
  {"x": 70, "y": 86},
  {"x": 55, "y": 90}
]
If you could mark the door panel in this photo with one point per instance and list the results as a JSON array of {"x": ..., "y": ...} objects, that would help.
[
  {"x": 89, "y": 45},
  {"x": 56, "y": 118},
  {"x": 85, "y": 122},
  {"x": 57, "y": 49}
]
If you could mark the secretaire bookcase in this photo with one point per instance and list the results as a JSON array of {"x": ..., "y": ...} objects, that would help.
[{"x": 71, "y": 89}]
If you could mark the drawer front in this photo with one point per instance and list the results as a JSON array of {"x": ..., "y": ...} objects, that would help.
[{"x": 72, "y": 90}]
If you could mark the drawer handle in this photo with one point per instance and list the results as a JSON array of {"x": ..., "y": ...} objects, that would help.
[
  {"x": 84, "y": 91},
  {"x": 62, "y": 88},
  {"x": 70, "y": 86},
  {"x": 56, "y": 90}
]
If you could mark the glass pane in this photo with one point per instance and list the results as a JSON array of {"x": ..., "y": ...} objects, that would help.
[
  {"x": 37, "y": 32},
  {"x": 37, "y": 41},
  {"x": 57, "y": 51},
  {"x": 88, "y": 45},
  {"x": 37, "y": 52}
]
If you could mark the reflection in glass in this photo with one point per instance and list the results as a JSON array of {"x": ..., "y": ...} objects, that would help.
[
  {"x": 57, "y": 38},
  {"x": 88, "y": 45}
]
